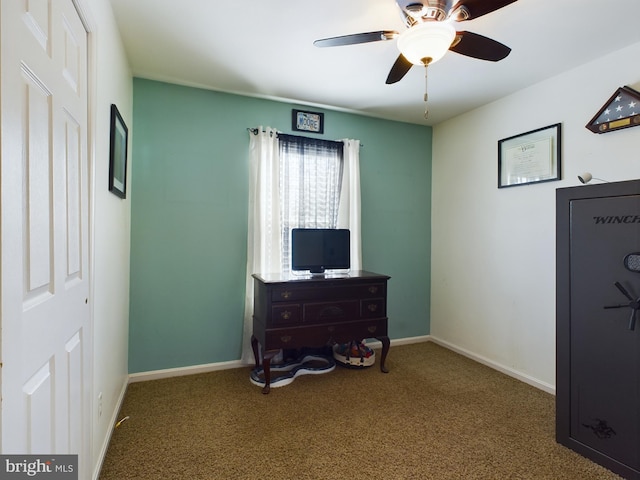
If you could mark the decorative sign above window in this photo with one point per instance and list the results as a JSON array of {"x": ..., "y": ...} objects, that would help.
[
  {"x": 622, "y": 110},
  {"x": 307, "y": 121}
]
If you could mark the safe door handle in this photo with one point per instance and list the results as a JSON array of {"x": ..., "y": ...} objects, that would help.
[{"x": 634, "y": 305}]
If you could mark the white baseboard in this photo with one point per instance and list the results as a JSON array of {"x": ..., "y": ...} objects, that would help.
[
  {"x": 211, "y": 367},
  {"x": 181, "y": 371},
  {"x": 112, "y": 423},
  {"x": 410, "y": 340},
  {"x": 400, "y": 341},
  {"x": 534, "y": 382}
]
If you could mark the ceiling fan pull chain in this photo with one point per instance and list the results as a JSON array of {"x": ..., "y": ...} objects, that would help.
[{"x": 426, "y": 94}]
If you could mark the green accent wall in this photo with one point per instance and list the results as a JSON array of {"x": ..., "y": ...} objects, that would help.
[{"x": 189, "y": 203}]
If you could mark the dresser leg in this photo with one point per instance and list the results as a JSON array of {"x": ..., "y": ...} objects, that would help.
[
  {"x": 266, "y": 369},
  {"x": 385, "y": 350},
  {"x": 254, "y": 347}
]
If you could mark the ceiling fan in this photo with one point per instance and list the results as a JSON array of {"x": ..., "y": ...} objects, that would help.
[{"x": 430, "y": 33}]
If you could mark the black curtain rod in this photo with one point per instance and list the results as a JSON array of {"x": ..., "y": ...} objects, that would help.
[{"x": 255, "y": 132}]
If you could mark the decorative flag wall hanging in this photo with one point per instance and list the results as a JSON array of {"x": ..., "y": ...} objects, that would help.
[{"x": 622, "y": 110}]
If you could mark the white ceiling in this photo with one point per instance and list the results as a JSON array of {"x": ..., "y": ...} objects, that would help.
[{"x": 265, "y": 48}]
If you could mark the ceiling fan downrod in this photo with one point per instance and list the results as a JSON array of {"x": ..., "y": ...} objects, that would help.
[{"x": 426, "y": 90}]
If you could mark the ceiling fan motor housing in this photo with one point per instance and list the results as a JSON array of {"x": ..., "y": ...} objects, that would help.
[{"x": 425, "y": 10}]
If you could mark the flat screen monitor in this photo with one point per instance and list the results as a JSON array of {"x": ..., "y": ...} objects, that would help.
[{"x": 320, "y": 249}]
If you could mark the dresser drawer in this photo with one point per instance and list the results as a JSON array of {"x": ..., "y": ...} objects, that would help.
[
  {"x": 335, "y": 290},
  {"x": 286, "y": 314},
  {"x": 328, "y": 312},
  {"x": 374, "y": 307},
  {"x": 373, "y": 290},
  {"x": 320, "y": 335},
  {"x": 345, "y": 332}
]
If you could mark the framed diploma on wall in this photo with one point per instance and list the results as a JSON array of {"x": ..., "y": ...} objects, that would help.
[{"x": 530, "y": 157}]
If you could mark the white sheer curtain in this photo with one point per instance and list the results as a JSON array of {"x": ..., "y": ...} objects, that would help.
[
  {"x": 349, "y": 209},
  {"x": 263, "y": 240}
]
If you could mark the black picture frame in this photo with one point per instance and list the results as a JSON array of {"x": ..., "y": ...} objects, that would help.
[
  {"x": 118, "y": 154},
  {"x": 531, "y": 157},
  {"x": 305, "y": 121}
]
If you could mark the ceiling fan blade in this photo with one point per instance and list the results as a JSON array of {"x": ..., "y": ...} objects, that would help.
[
  {"x": 478, "y": 8},
  {"x": 478, "y": 46},
  {"x": 398, "y": 70},
  {"x": 356, "y": 38}
]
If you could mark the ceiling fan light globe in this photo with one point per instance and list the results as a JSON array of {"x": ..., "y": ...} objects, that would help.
[{"x": 426, "y": 40}]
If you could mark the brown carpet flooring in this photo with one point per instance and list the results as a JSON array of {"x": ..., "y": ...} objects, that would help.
[{"x": 435, "y": 415}]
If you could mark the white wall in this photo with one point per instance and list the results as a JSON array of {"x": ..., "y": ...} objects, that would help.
[
  {"x": 112, "y": 83},
  {"x": 493, "y": 250}
]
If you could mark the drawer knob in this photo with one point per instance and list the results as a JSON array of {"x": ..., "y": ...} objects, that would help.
[
  {"x": 331, "y": 329},
  {"x": 285, "y": 294},
  {"x": 373, "y": 289},
  {"x": 286, "y": 338},
  {"x": 286, "y": 315},
  {"x": 372, "y": 307},
  {"x": 372, "y": 329}
]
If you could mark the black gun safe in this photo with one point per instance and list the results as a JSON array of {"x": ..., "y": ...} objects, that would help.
[{"x": 598, "y": 323}]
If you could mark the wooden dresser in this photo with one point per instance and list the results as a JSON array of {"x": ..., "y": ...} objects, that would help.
[{"x": 292, "y": 312}]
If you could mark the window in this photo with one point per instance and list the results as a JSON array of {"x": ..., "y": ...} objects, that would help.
[
  {"x": 323, "y": 179},
  {"x": 310, "y": 184}
]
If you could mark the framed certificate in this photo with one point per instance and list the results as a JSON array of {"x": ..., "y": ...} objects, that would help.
[
  {"x": 530, "y": 157},
  {"x": 307, "y": 121}
]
